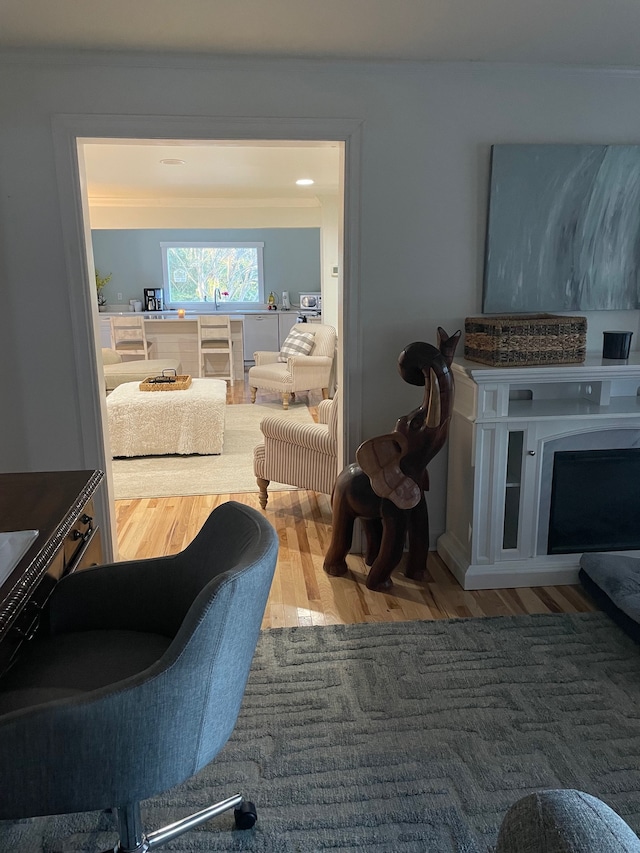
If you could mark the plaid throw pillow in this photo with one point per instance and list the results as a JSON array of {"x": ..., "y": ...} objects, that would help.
[{"x": 296, "y": 343}]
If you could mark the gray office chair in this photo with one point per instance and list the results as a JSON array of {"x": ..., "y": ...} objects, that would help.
[{"x": 137, "y": 683}]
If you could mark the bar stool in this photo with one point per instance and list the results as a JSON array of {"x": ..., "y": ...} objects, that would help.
[
  {"x": 214, "y": 339},
  {"x": 129, "y": 336}
]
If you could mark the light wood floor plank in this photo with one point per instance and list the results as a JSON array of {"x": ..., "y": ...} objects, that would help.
[{"x": 302, "y": 593}]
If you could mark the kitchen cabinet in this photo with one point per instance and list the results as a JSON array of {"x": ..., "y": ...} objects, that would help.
[
  {"x": 260, "y": 333},
  {"x": 286, "y": 321},
  {"x": 177, "y": 338},
  {"x": 174, "y": 338},
  {"x": 267, "y": 331}
]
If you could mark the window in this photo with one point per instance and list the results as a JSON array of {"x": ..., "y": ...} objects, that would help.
[{"x": 212, "y": 273}]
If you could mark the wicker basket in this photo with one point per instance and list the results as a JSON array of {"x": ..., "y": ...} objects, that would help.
[
  {"x": 521, "y": 339},
  {"x": 176, "y": 383}
]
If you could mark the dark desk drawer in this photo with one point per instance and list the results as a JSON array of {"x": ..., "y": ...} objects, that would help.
[
  {"x": 79, "y": 536},
  {"x": 59, "y": 505},
  {"x": 90, "y": 553},
  {"x": 86, "y": 552}
]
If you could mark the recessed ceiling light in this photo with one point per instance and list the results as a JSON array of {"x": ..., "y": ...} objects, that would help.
[
  {"x": 305, "y": 182},
  {"x": 172, "y": 161}
]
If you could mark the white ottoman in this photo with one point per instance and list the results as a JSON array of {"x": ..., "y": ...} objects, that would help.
[{"x": 160, "y": 423}]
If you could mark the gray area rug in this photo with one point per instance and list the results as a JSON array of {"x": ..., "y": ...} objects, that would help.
[{"x": 413, "y": 737}]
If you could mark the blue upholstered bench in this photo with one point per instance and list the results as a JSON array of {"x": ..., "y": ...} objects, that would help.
[{"x": 613, "y": 581}]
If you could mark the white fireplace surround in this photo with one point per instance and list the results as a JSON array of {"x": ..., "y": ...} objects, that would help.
[{"x": 507, "y": 424}]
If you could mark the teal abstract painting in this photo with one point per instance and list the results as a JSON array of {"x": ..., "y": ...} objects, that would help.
[{"x": 563, "y": 229}]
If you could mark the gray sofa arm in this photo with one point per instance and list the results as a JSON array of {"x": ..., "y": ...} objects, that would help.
[{"x": 564, "y": 821}]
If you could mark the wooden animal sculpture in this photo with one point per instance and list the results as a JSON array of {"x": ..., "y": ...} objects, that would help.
[{"x": 385, "y": 488}]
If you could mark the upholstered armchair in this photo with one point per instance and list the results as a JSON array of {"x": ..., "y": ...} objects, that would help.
[
  {"x": 302, "y": 455},
  {"x": 286, "y": 374}
]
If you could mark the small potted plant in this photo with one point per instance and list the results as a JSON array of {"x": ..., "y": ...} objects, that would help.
[{"x": 100, "y": 283}]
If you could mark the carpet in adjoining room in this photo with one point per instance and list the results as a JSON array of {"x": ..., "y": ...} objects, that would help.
[
  {"x": 230, "y": 472},
  {"x": 409, "y": 737}
]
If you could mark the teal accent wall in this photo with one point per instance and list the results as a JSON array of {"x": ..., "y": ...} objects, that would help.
[{"x": 133, "y": 256}]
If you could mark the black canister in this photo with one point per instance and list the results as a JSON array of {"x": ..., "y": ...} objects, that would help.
[{"x": 616, "y": 345}]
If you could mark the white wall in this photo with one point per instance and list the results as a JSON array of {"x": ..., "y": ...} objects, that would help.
[
  {"x": 194, "y": 214},
  {"x": 232, "y": 213},
  {"x": 329, "y": 249},
  {"x": 426, "y": 135}
]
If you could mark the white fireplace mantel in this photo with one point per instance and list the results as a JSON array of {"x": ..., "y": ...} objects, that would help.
[{"x": 506, "y": 424}]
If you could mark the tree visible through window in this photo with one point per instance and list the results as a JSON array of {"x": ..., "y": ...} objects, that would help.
[{"x": 213, "y": 272}]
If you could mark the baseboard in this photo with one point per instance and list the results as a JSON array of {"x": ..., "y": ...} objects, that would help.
[{"x": 508, "y": 574}]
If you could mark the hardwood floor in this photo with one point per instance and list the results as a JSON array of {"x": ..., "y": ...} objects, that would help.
[{"x": 302, "y": 594}]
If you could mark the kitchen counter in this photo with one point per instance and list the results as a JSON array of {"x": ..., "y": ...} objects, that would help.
[
  {"x": 173, "y": 315},
  {"x": 176, "y": 337}
]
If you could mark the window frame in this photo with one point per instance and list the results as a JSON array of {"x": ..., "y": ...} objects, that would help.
[{"x": 214, "y": 244}]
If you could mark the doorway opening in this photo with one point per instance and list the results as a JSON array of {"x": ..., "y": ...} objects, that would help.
[{"x": 140, "y": 190}]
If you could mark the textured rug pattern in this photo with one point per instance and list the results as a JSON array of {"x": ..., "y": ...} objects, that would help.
[
  {"x": 409, "y": 737},
  {"x": 228, "y": 473}
]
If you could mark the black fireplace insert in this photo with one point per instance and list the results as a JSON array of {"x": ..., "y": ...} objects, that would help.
[{"x": 595, "y": 501}]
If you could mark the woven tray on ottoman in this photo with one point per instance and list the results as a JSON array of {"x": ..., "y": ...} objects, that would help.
[
  {"x": 525, "y": 339},
  {"x": 166, "y": 382}
]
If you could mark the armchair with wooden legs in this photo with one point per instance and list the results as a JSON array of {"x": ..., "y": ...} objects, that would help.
[
  {"x": 302, "y": 455},
  {"x": 286, "y": 374}
]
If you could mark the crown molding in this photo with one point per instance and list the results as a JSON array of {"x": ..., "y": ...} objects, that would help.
[{"x": 96, "y": 201}]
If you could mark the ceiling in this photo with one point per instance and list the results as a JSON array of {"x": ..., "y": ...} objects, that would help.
[
  {"x": 573, "y": 32},
  {"x": 217, "y": 170}
]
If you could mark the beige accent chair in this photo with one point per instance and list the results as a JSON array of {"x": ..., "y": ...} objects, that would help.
[
  {"x": 128, "y": 336},
  {"x": 302, "y": 455},
  {"x": 298, "y": 372},
  {"x": 117, "y": 371},
  {"x": 214, "y": 339}
]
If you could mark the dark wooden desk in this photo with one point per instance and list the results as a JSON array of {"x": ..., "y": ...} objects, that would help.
[{"x": 59, "y": 505}]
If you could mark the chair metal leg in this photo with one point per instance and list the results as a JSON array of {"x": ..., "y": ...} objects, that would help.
[
  {"x": 132, "y": 837},
  {"x": 134, "y": 840},
  {"x": 167, "y": 833}
]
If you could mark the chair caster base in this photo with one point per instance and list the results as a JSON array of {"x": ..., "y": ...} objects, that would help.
[
  {"x": 245, "y": 816},
  {"x": 134, "y": 840}
]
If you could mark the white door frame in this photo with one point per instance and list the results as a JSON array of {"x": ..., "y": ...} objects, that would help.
[{"x": 69, "y": 132}]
